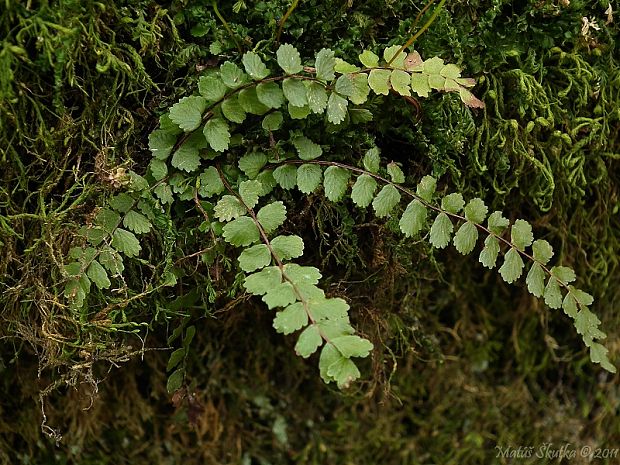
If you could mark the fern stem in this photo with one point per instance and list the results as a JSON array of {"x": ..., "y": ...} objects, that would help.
[
  {"x": 209, "y": 111},
  {"x": 277, "y": 259},
  {"x": 283, "y": 20},
  {"x": 428, "y": 23},
  {"x": 432, "y": 207},
  {"x": 226, "y": 26}
]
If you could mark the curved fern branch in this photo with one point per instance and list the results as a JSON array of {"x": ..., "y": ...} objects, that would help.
[
  {"x": 575, "y": 302},
  {"x": 200, "y": 128}
]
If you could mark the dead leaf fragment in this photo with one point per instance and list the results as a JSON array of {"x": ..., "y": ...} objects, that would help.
[{"x": 412, "y": 60}]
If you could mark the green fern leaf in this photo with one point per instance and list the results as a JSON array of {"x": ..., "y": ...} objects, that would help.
[
  {"x": 241, "y": 232},
  {"x": 250, "y": 192},
  {"x": 267, "y": 180},
  {"x": 228, "y": 207},
  {"x": 361, "y": 90},
  {"x": 270, "y": 94},
  {"x": 309, "y": 341},
  {"x": 397, "y": 58},
  {"x": 343, "y": 67},
  {"x": 254, "y": 66},
  {"x": 441, "y": 231},
  {"x": 360, "y": 115},
  {"x": 77, "y": 289},
  {"x": 125, "y": 242},
  {"x": 436, "y": 81},
  {"x": 329, "y": 309},
  {"x": 252, "y": 163},
  {"x": 476, "y": 211},
  {"x": 344, "y": 372},
  {"x": 453, "y": 203},
  {"x": 161, "y": 143},
  {"x": 232, "y": 110},
  {"x": 336, "y": 108},
  {"x": 378, "y": 80},
  {"x": 289, "y": 59},
  {"x": 450, "y": 71},
  {"x": 521, "y": 234},
  {"x": 164, "y": 194},
  {"x": 309, "y": 177},
  {"x": 248, "y": 98},
  {"x": 363, "y": 190},
  {"x": 167, "y": 125},
  {"x": 401, "y": 82},
  {"x": 419, "y": 84},
  {"x": 587, "y": 323},
  {"x": 187, "y": 112},
  {"x": 217, "y": 134},
  {"x": 273, "y": 121},
  {"x": 413, "y": 219},
  {"x": 98, "y": 275},
  {"x": 187, "y": 156},
  {"x": 280, "y": 296},
  {"x": 332, "y": 328},
  {"x": 122, "y": 202},
  {"x": 535, "y": 280},
  {"x": 175, "y": 381},
  {"x": 176, "y": 357},
  {"x": 136, "y": 182},
  {"x": 272, "y": 216},
  {"x": 298, "y": 112},
  {"x": 344, "y": 85},
  {"x": 291, "y": 319},
  {"x": 385, "y": 201},
  {"x": 232, "y": 76},
  {"x": 396, "y": 174},
  {"x": 111, "y": 261},
  {"x": 317, "y": 97},
  {"x": 211, "y": 88},
  {"x": 488, "y": 256},
  {"x": 598, "y": 354},
  {"x": 324, "y": 64},
  {"x": 553, "y": 294},
  {"x": 329, "y": 356},
  {"x": 512, "y": 268},
  {"x": 542, "y": 251},
  {"x": 426, "y": 188},
  {"x": 137, "y": 222},
  {"x": 372, "y": 160},
  {"x": 369, "y": 59},
  {"x": 260, "y": 282},
  {"x": 158, "y": 169},
  {"x": 582, "y": 297},
  {"x": 352, "y": 346},
  {"x": 564, "y": 274},
  {"x": 287, "y": 247},
  {"x": 309, "y": 292},
  {"x": 307, "y": 149},
  {"x": 466, "y": 237},
  {"x": 497, "y": 223},
  {"x": 302, "y": 274},
  {"x": 93, "y": 235},
  {"x": 433, "y": 65},
  {"x": 255, "y": 257},
  {"x": 210, "y": 182},
  {"x": 569, "y": 305},
  {"x": 336, "y": 182},
  {"x": 286, "y": 176},
  {"x": 295, "y": 92}
]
